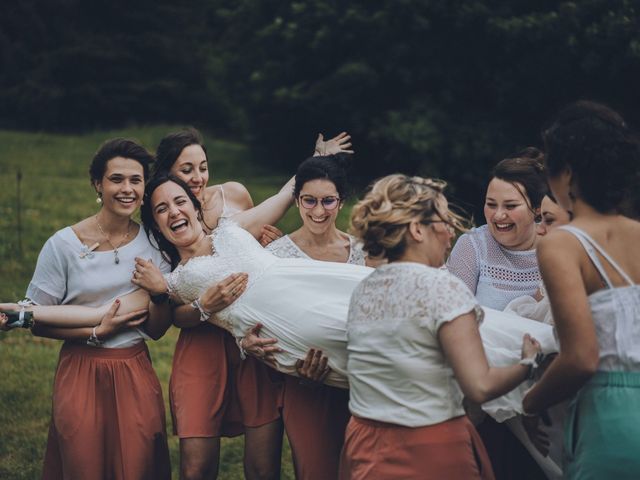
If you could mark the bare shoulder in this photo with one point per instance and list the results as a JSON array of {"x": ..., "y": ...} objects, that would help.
[{"x": 238, "y": 195}]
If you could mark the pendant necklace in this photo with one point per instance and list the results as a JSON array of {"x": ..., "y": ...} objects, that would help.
[{"x": 116, "y": 259}]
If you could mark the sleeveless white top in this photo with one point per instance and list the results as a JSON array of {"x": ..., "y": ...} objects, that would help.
[
  {"x": 493, "y": 273},
  {"x": 615, "y": 312},
  {"x": 67, "y": 273},
  {"x": 284, "y": 247}
]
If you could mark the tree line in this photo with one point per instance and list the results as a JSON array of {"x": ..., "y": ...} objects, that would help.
[{"x": 439, "y": 87}]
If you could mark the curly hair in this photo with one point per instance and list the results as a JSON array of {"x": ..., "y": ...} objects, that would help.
[
  {"x": 602, "y": 153},
  {"x": 381, "y": 219}
]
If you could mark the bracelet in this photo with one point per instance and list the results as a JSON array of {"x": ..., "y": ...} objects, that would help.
[
  {"x": 160, "y": 298},
  {"x": 243, "y": 352},
  {"x": 204, "y": 315},
  {"x": 93, "y": 339},
  {"x": 533, "y": 363}
]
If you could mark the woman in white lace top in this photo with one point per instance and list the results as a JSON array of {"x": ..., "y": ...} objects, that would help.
[
  {"x": 591, "y": 271},
  {"x": 414, "y": 346},
  {"x": 315, "y": 416}
]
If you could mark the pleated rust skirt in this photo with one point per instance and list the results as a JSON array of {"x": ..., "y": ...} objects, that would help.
[
  {"x": 108, "y": 418},
  {"x": 449, "y": 450},
  {"x": 213, "y": 392}
]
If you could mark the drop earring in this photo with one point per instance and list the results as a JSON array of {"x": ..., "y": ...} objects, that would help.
[{"x": 99, "y": 197}]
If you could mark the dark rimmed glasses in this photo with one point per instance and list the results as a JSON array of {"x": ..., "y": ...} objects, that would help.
[{"x": 328, "y": 203}]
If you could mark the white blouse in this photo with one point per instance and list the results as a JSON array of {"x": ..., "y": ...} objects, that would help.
[
  {"x": 284, "y": 247},
  {"x": 493, "y": 273},
  {"x": 68, "y": 274},
  {"x": 397, "y": 370}
]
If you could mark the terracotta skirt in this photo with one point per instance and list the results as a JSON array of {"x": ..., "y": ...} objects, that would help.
[
  {"x": 212, "y": 391},
  {"x": 449, "y": 450},
  {"x": 108, "y": 417},
  {"x": 315, "y": 420}
]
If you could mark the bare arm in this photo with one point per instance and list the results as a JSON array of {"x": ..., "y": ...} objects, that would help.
[
  {"x": 268, "y": 212},
  {"x": 559, "y": 260},
  {"x": 462, "y": 345}
]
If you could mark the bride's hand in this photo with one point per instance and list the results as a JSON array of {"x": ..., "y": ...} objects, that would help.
[
  {"x": 224, "y": 293},
  {"x": 148, "y": 276},
  {"x": 337, "y": 144}
]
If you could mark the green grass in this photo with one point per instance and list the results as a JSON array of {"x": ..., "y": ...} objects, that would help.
[{"x": 55, "y": 192}]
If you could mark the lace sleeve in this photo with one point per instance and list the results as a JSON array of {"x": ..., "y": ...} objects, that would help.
[
  {"x": 463, "y": 262},
  {"x": 451, "y": 298}
]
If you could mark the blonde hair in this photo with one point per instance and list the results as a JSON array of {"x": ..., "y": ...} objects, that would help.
[{"x": 381, "y": 219}]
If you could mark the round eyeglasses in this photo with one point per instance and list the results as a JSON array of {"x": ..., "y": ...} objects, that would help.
[{"x": 328, "y": 203}]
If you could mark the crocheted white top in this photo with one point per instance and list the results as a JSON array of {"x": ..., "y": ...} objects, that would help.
[
  {"x": 284, "y": 247},
  {"x": 493, "y": 273}
]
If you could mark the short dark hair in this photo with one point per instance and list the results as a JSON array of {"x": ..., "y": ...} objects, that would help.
[
  {"x": 172, "y": 145},
  {"x": 602, "y": 152},
  {"x": 119, "y": 147},
  {"x": 329, "y": 167},
  {"x": 525, "y": 168},
  {"x": 168, "y": 249}
]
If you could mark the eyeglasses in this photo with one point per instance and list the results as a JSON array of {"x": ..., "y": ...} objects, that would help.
[{"x": 328, "y": 203}]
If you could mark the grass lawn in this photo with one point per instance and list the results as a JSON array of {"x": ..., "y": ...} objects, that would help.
[{"x": 55, "y": 192}]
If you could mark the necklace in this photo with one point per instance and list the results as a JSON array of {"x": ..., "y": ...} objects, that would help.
[{"x": 116, "y": 259}]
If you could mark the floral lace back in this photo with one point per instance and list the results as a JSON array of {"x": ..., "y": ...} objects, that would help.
[{"x": 234, "y": 250}]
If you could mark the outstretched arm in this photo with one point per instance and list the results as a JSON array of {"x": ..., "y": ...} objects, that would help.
[{"x": 462, "y": 345}]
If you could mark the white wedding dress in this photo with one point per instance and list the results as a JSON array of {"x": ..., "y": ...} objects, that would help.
[{"x": 303, "y": 303}]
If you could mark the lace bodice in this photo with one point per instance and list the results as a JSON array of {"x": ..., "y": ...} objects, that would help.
[
  {"x": 494, "y": 274},
  {"x": 615, "y": 312},
  {"x": 234, "y": 250},
  {"x": 284, "y": 247},
  {"x": 392, "y": 331}
]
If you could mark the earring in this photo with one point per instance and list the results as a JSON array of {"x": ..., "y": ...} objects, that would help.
[{"x": 99, "y": 197}]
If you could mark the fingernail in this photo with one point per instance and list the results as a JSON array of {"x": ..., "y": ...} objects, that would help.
[{"x": 117, "y": 300}]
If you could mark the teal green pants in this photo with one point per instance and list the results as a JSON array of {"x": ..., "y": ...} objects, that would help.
[{"x": 602, "y": 430}]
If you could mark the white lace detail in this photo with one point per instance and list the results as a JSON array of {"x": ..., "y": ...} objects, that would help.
[
  {"x": 234, "y": 250},
  {"x": 401, "y": 292},
  {"x": 494, "y": 274},
  {"x": 284, "y": 247}
]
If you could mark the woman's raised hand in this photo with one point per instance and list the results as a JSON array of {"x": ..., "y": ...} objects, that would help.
[
  {"x": 112, "y": 323},
  {"x": 338, "y": 144},
  {"x": 269, "y": 234},
  {"x": 224, "y": 293},
  {"x": 314, "y": 368},
  {"x": 148, "y": 276}
]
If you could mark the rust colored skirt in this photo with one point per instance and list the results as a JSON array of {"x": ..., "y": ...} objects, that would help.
[
  {"x": 449, "y": 450},
  {"x": 212, "y": 391},
  {"x": 315, "y": 420},
  {"x": 108, "y": 416}
]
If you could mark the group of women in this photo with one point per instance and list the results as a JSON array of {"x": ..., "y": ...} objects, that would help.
[{"x": 373, "y": 373}]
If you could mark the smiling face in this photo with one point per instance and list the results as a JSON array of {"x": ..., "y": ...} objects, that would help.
[
  {"x": 553, "y": 215},
  {"x": 318, "y": 219},
  {"x": 121, "y": 186},
  {"x": 191, "y": 166},
  {"x": 175, "y": 215},
  {"x": 509, "y": 217}
]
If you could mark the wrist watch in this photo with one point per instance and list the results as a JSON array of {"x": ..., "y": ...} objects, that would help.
[{"x": 160, "y": 298}]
